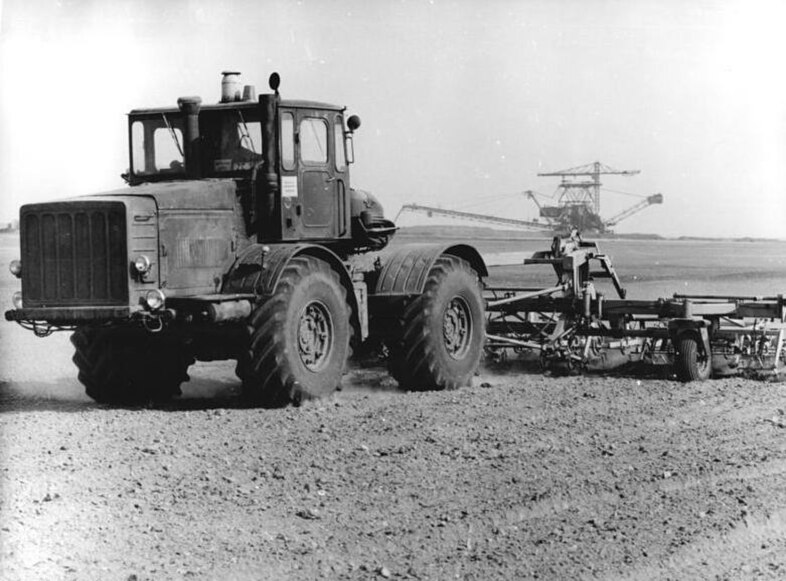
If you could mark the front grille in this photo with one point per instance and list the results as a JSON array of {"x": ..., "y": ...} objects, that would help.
[{"x": 74, "y": 254}]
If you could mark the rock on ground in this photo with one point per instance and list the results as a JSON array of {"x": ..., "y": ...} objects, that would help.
[{"x": 519, "y": 477}]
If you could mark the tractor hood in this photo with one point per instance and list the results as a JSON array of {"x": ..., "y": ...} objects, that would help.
[
  {"x": 198, "y": 226},
  {"x": 216, "y": 194}
]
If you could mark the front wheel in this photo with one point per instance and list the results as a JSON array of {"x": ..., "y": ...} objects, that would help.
[
  {"x": 299, "y": 337},
  {"x": 441, "y": 332},
  {"x": 690, "y": 364},
  {"x": 129, "y": 366}
]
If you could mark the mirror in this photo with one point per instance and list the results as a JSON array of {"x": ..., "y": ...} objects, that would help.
[
  {"x": 353, "y": 123},
  {"x": 274, "y": 81}
]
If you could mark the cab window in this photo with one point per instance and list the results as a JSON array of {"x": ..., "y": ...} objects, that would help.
[
  {"x": 338, "y": 142},
  {"x": 288, "y": 141},
  {"x": 313, "y": 140},
  {"x": 232, "y": 141},
  {"x": 157, "y": 145}
]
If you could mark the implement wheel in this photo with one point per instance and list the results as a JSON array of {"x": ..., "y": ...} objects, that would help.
[
  {"x": 441, "y": 332},
  {"x": 690, "y": 364},
  {"x": 129, "y": 367},
  {"x": 299, "y": 337}
]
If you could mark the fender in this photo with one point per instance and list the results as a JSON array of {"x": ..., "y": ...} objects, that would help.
[
  {"x": 405, "y": 269},
  {"x": 258, "y": 272}
]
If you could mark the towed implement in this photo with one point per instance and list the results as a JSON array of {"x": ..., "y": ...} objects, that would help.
[{"x": 571, "y": 326}]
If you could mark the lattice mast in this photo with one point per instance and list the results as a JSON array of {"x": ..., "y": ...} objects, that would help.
[{"x": 577, "y": 190}]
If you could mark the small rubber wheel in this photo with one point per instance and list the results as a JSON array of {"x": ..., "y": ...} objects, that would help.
[{"x": 690, "y": 364}]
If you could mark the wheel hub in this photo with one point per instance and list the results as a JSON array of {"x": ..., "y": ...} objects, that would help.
[
  {"x": 315, "y": 336},
  {"x": 457, "y": 328}
]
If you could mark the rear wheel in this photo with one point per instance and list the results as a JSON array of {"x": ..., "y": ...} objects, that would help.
[
  {"x": 299, "y": 337},
  {"x": 690, "y": 364},
  {"x": 126, "y": 367},
  {"x": 441, "y": 332}
]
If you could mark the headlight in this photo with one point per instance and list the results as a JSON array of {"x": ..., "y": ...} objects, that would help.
[
  {"x": 142, "y": 264},
  {"x": 17, "y": 300},
  {"x": 154, "y": 299},
  {"x": 16, "y": 268}
]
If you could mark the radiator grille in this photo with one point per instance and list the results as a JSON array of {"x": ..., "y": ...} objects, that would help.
[{"x": 74, "y": 254}]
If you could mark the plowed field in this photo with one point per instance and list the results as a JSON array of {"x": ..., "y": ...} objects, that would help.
[{"x": 520, "y": 476}]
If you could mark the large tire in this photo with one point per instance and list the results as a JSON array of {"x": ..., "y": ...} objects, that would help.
[
  {"x": 299, "y": 337},
  {"x": 690, "y": 364},
  {"x": 126, "y": 367},
  {"x": 442, "y": 331}
]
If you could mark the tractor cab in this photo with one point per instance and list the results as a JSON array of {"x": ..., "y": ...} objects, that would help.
[
  {"x": 313, "y": 171},
  {"x": 289, "y": 160}
]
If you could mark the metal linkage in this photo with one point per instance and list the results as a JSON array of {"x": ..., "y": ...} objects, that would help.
[{"x": 571, "y": 324}]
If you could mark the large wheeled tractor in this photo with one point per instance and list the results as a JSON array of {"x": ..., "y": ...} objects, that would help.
[{"x": 241, "y": 238}]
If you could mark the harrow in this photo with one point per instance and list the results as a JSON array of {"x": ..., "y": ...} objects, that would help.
[{"x": 572, "y": 326}]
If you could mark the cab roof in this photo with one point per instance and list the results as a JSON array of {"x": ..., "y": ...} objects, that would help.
[{"x": 242, "y": 105}]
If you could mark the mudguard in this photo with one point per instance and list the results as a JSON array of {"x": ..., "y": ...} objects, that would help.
[
  {"x": 405, "y": 269},
  {"x": 258, "y": 269}
]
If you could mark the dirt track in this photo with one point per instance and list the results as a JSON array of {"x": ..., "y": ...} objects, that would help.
[{"x": 519, "y": 476}]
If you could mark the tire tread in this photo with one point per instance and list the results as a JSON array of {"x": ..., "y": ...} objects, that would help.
[{"x": 413, "y": 361}]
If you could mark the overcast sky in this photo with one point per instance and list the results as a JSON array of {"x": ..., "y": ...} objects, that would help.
[{"x": 462, "y": 102}]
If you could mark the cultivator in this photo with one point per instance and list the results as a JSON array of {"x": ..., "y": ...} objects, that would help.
[{"x": 571, "y": 326}]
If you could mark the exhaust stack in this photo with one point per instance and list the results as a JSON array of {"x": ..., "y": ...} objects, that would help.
[{"x": 190, "y": 107}]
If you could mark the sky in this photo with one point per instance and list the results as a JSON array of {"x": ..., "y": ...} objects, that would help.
[{"x": 462, "y": 102}]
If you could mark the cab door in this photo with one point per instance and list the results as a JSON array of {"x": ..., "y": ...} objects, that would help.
[{"x": 317, "y": 180}]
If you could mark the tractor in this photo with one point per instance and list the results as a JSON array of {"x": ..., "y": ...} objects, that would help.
[{"x": 240, "y": 238}]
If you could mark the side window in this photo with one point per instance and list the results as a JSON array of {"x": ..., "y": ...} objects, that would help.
[
  {"x": 156, "y": 148},
  {"x": 287, "y": 141},
  {"x": 313, "y": 140},
  {"x": 157, "y": 145},
  {"x": 138, "y": 148},
  {"x": 167, "y": 146},
  {"x": 250, "y": 135},
  {"x": 338, "y": 141}
]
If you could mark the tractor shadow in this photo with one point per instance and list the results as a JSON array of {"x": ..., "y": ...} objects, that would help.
[
  {"x": 68, "y": 396},
  {"x": 203, "y": 392},
  {"x": 65, "y": 395}
]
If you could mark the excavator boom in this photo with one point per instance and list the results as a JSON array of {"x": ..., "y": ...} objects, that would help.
[
  {"x": 430, "y": 211},
  {"x": 648, "y": 201}
]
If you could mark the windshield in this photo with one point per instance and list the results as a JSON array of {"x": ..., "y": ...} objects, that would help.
[
  {"x": 232, "y": 140},
  {"x": 231, "y": 143},
  {"x": 157, "y": 145}
]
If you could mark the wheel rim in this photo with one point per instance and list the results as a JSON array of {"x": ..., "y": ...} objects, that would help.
[
  {"x": 315, "y": 336},
  {"x": 457, "y": 328}
]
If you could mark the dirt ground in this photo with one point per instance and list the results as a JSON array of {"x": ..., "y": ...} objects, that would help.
[{"x": 518, "y": 477}]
